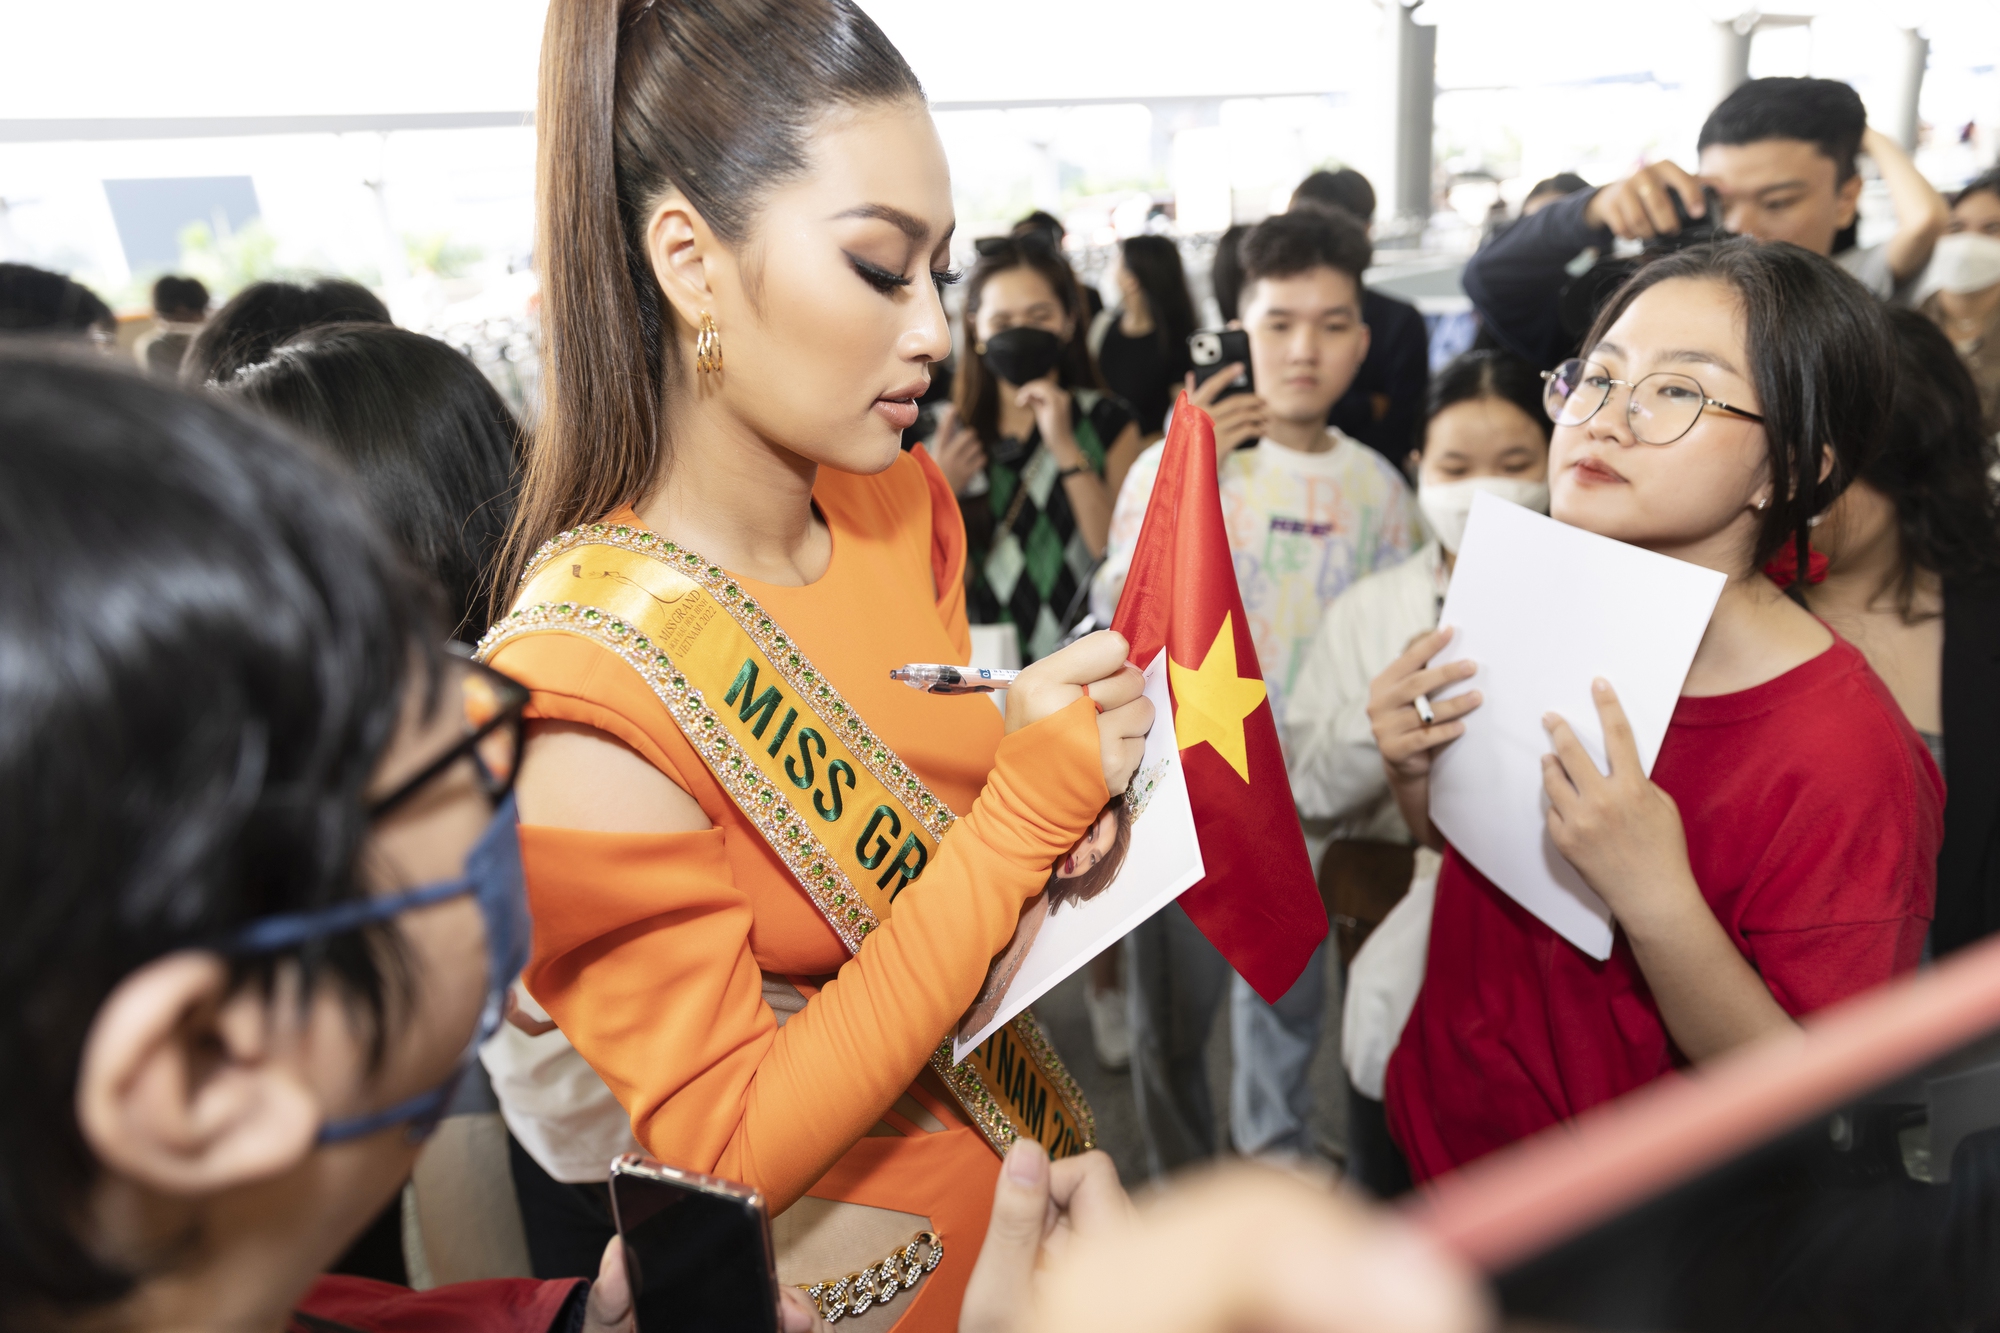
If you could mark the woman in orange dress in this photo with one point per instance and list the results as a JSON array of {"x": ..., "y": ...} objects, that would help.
[{"x": 743, "y": 211}]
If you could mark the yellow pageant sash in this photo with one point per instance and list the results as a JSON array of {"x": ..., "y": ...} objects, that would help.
[{"x": 850, "y": 820}]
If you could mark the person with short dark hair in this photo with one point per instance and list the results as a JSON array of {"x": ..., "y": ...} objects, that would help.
[
  {"x": 1050, "y": 228},
  {"x": 1964, "y": 283},
  {"x": 1782, "y": 854},
  {"x": 261, "y": 902},
  {"x": 1381, "y": 408},
  {"x": 1781, "y": 156},
  {"x": 180, "y": 307},
  {"x": 255, "y": 320},
  {"x": 1225, "y": 271},
  {"x": 430, "y": 438},
  {"x": 1344, "y": 188},
  {"x": 1043, "y": 223},
  {"x": 1141, "y": 345},
  {"x": 36, "y": 301},
  {"x": 1308, "y": 510},
  {"x": 1913, "y": 581},
  {"x": 1545, "y": 192}
]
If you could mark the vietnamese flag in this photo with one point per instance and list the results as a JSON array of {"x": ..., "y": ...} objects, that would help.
[{"x": 1258, "y": 903}]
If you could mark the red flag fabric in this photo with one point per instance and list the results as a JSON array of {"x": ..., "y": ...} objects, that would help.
[{"x": 1258, "y": 903}]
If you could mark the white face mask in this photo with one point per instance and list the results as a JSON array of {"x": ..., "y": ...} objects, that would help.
[
  {"x": 1448, "y": 504},
  {"x": 1965, "y": 261}
]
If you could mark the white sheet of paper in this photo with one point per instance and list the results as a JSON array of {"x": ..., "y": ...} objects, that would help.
[
  {"x": 1164, "y": 861},
  {"x": 1544, "y": 608}
]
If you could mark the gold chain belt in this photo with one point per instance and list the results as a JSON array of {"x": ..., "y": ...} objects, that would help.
[{"x": 877, "y": 1283}]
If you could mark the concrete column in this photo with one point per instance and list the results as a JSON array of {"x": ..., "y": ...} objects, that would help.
[
  {"x": 1413, "y": 55},
  {"x": 1899, "y": 119},
  {"x": 1732, "y": 55}
]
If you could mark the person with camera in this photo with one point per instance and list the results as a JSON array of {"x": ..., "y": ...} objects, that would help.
[
  {"x": 1308, "y": 510},
  {"x": 1780, "y": 158}
]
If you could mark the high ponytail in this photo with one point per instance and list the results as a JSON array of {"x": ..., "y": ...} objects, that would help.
[{"x": 713, "y": 98}]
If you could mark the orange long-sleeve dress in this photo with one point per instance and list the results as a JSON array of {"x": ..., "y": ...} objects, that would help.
[{"x": 651, "y": 949}]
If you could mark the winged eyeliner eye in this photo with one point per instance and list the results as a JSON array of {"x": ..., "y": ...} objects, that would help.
[{"x": 881, "y": 279}]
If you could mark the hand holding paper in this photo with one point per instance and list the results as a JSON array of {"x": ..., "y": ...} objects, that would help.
[
  {"x": 1408, "y": 740},
  {"x": 1621, "y": 832},
  {"x": 1544, "y": 609}
]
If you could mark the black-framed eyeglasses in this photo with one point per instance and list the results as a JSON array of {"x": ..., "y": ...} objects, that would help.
[
  {"x": 494, "y": 714},
  {"x": 1659, "y": 408},
  {"x": 494, "y": 708}
]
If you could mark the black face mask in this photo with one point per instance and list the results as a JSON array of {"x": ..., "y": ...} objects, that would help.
[{"x": 1019, "y": 355}]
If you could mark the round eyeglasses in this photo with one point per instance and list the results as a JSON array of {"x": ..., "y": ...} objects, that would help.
[{"x": 1659, "y": 408}]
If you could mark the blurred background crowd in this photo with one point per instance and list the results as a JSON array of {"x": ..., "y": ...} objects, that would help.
[{"x": 342, "y": 237}]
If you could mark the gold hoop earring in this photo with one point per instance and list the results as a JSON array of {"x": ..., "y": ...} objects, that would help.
[{"x": 708, "y": 346}]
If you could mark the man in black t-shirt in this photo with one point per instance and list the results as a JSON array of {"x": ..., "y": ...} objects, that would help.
[{"x": 1386, "y": 401}]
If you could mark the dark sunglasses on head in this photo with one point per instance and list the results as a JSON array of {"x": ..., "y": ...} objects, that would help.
[{"x": 994, "y": 247}]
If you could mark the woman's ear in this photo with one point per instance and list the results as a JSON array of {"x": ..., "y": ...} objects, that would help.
[
  {"x": 684, "y": 254},
  {"x": 185, "y": 1087},
  {"x": 1414, "y": 464}
]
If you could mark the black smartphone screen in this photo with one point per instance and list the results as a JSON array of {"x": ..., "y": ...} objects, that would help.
[{"x": 697, "y": 1260}]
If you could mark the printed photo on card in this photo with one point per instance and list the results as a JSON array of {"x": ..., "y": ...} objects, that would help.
[{"x": 1139, "y": 856}]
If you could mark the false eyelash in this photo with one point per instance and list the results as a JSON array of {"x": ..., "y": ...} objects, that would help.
[
  {"x": 948, "y": 277},
  {"x": 881, "y": 279}
]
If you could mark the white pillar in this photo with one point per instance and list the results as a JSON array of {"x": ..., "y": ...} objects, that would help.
[
  {"x": 1413, "y": 60},
  {"x": 1732, "y": 55},
  {"x": 1899, "y": 119}
]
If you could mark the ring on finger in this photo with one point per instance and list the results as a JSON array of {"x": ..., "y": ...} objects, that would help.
[{"x": 1425, "y": 713}]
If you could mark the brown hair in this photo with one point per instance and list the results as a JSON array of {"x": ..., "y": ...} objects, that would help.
[
  {"x": 1082, "y": 888},
  {"x": 713, "y": 98},
  {"x": 975, "y": 393}
]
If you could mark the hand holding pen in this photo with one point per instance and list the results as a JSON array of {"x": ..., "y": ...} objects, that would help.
[{"x": 939, "y": 678}]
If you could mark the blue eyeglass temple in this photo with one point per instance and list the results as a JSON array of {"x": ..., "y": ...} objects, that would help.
[
  {"x": 423, "y": 1111},
  {"x": 506, "y": 954},
  {"x": 273, "y": 933}
]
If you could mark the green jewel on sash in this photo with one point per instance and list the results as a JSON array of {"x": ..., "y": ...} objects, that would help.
[{"x": 848, "y": 818}]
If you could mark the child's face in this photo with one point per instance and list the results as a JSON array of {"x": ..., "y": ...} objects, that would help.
[{"x": 1093, "y": 847}]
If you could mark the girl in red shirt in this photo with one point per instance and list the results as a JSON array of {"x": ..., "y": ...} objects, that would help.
[{"x": 1782, "y": 856}]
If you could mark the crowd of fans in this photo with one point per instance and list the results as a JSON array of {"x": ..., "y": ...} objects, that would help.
[{"x": 236, "y": 739}]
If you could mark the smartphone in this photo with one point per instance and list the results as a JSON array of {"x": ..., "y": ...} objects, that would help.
[
  {"x": 1212, "y": 349},
  {"x": 1843, "y": 1178},
  {"x": 697, "y": 1249}
]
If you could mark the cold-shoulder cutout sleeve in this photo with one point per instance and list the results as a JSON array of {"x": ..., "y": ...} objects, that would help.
[{"x": 644, "y": 953}]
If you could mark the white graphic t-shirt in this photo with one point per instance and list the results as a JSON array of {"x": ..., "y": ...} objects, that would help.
[{"x": 1301, "y": 527}]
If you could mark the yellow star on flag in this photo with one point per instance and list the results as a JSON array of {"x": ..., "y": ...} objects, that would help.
[{"x": 1211, "y": 701}]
